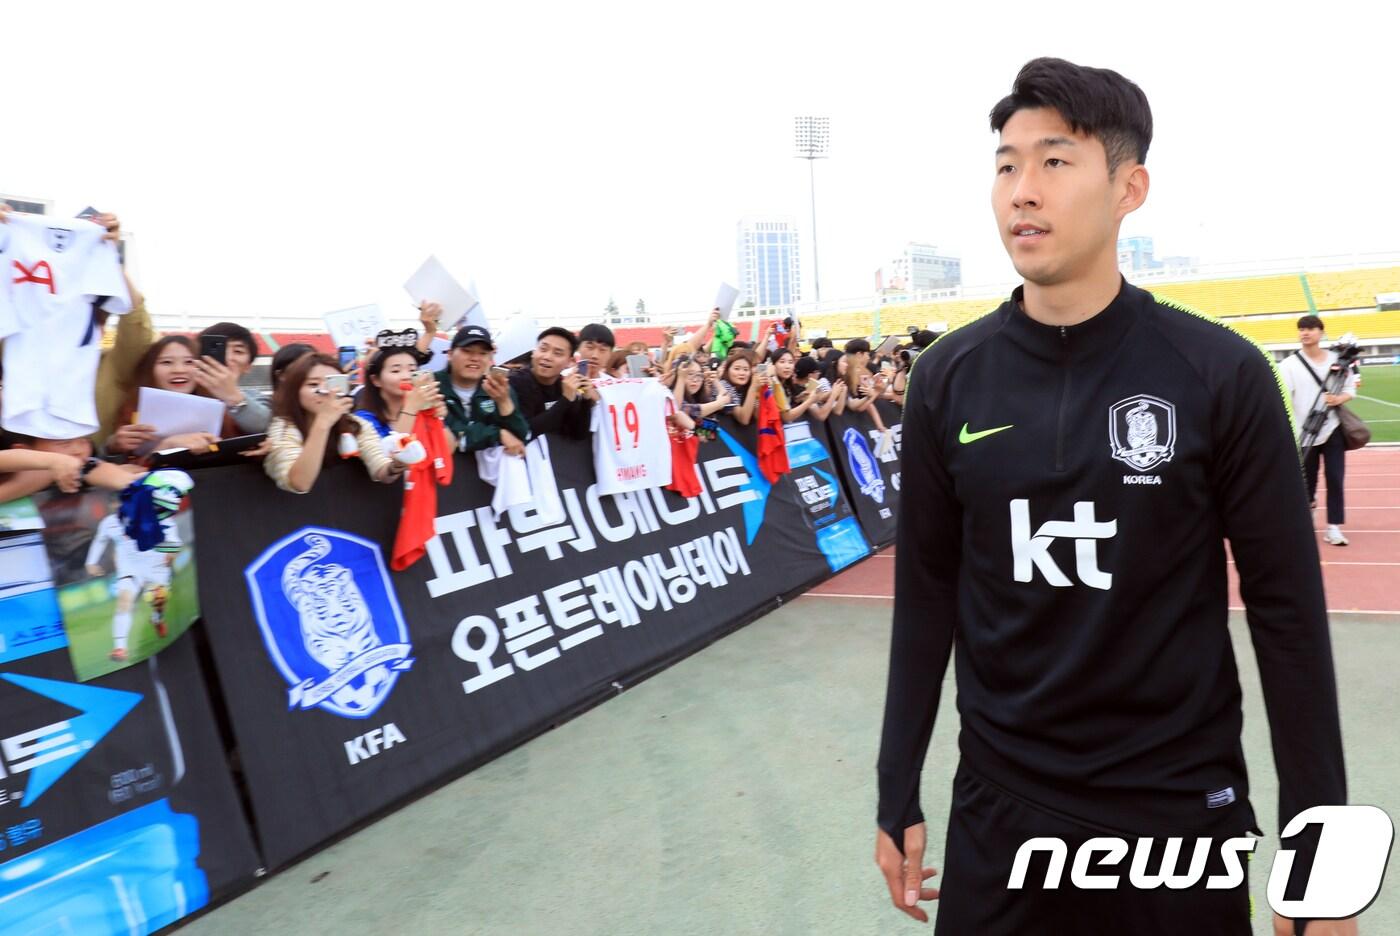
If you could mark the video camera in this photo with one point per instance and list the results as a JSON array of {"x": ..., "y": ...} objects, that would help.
[{"x": 1346, "y": 349}]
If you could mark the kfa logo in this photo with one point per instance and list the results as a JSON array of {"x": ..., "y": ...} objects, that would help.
[
  {"x": 59, "y": 239},
  {"x": 47, "y": 753},
  {"x": 864, "y": 469},
  {"x": 1142, "y": 431},
  {"x": 330, "y": 620},
  {"x": 372, "y": 743},
  {"x": 1030, "y": 552}
]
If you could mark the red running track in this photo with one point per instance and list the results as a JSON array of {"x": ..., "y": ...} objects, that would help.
[{"x": 1363, "y": 577}]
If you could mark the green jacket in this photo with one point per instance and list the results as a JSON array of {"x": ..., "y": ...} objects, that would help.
[
  {"x": 480, "y": 428},
  {"x": 724, "y": 337}
]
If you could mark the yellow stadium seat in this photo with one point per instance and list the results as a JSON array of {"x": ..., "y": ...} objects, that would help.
[
  {"x": 1352, "y": 289},
  {"x": 1259, "y": 295},
  {"x": 1365, "y": 325},
  {"x": 1264, "y": 307}
]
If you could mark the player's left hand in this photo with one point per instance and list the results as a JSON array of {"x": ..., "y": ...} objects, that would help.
[
  {"x": 905, "y": 873},
  {"x": 1283, "y": 926}
]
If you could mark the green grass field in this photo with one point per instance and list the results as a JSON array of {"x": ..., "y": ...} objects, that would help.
[
  {"x": 87, "y": 617},
  {"x": 1378, "y": 402}
]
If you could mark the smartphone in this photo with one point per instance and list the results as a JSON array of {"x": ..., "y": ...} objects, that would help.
[
  {"x": 582, "y": 368},
  {"x": 348, "y": 356},
  {"x": 714, "y": 365},
  {"x": 637, "y": 365},
  {"x": 763, "y": 370},
  {"x": 500, "y": 371},
  {"x": 214, "y": 346},
  {"x": 338, "y": 384}
]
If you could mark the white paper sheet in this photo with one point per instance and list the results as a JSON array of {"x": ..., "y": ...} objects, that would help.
[
  {"x": 176, "y": 413},
  {"x": 516, "y": 336},
  {"x": 439, "y": 349},
  {"x": 350, "y": 327},
  {"x": 725, "y": 300},
  {"x": 460, "y": 306}
]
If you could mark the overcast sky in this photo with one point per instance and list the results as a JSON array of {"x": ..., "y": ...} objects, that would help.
[{"x": 287, "y": 159}]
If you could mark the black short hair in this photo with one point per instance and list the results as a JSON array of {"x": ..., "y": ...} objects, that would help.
[
  {"x": 822, "y": 342},
  {"x": 1310, "y": 321},
  {"x": 858, "y": 346},
  {"x": 1097, "y": 102},
  {"x": 560, "y": 332},
  {"x": 234, "y": 332}
]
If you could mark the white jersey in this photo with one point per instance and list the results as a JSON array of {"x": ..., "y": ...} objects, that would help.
[
  {"x": 151, "y": 567},
  {"x": 631, "y": 448},
  {"x": 57, "y": 274}
]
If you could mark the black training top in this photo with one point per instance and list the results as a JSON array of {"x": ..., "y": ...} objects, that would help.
[{"x": 1066, "y": 497}]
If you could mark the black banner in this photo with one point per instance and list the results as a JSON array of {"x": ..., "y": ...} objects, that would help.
[
  {"x": 117, "y": 811},
  {"x": 350, "y": 687},
  {"x": 871, "y": 476}
]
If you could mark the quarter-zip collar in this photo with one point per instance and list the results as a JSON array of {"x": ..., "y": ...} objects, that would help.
[{"x": 1066, "y": 343}]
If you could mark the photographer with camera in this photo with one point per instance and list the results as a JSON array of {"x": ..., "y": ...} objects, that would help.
[
  {"x": 1311, "y": 374},
  {"x": 311, "y": 425}
]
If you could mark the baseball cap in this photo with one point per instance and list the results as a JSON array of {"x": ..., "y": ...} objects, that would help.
[
  {"x": 472, "y": 334},
  {"x": 602, "y": 334}
]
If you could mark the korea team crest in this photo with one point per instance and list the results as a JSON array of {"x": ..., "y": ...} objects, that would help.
[
  {"x": 864, "y": 468},
  {"x": 330, "y": 620},
  {"x": 1142, "y": 431},
  {"x": 59, "y": 238}
]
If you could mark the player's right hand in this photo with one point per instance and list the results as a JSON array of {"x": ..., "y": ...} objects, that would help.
[{"x": 905, "y": 873}]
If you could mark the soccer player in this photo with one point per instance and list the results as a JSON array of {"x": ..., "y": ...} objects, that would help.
[
  {"x": 138, "y": 573},
  {"x": 1073, "y": 463}
]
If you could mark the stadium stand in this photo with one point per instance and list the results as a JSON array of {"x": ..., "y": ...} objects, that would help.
[
  {"x": 1264, "y": 307},
  {"x": 1353, "y": 289},
  {"x": 1260, "y": 295}
]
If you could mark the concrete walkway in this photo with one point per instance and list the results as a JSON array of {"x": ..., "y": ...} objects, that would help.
[{"x": 731, "y": 794}]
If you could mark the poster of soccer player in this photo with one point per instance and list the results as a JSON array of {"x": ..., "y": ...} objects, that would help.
[{"x": 124, "y": 568}]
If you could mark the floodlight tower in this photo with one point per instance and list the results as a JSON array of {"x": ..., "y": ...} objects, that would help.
[{"x": 813, "y": 141}]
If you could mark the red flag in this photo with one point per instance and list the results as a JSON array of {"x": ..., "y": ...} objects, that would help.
[
  {"x": 772, "y": 447},
  {"x": 684, "y": 451},
  {"x": 420, "y": 491}
]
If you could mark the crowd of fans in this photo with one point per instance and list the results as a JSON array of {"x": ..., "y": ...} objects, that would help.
[{"x": 319, "y": 408}]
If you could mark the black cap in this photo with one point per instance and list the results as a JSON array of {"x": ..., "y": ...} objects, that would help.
[
  {"x": 806, "y": 367},
  {"x": 602, "y": 334},
  {"x": 472, "y": 334}
]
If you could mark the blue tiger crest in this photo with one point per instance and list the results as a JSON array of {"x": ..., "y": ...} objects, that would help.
[{"x": 330, "y": 620}]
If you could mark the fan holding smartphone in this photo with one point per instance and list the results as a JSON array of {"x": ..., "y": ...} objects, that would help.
[{"x": 226, "y": 354}]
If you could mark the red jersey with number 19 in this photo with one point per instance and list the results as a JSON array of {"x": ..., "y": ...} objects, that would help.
[{"x": 631, "y": 449}]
